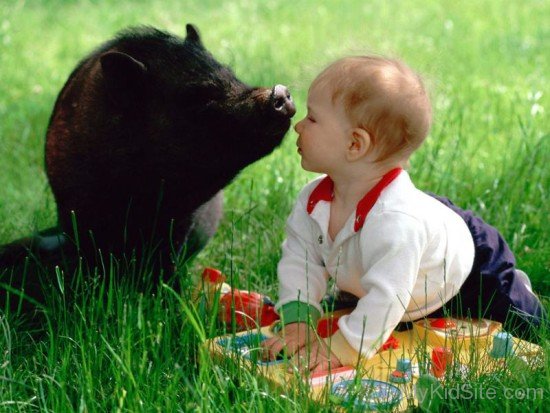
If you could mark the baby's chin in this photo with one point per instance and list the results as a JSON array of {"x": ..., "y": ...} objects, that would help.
[
  {"x": 309, "y": 167},
  {"x": 305, "y": 166}
]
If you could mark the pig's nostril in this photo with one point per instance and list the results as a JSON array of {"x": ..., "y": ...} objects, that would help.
[
  {"x": 282, "y": 101},
  {"x": 279, "y": 103}
]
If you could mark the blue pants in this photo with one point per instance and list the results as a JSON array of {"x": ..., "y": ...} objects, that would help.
[{"x": 493, "y": 289}]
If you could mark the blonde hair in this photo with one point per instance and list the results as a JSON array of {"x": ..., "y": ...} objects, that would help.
[{"x": 383, "y": 96}]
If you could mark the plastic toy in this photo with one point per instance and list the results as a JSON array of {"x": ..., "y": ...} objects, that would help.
[
  {"x": 442, "y": 357},
  {"x": 403, "y": 371},
  {"x": 247, "y": 308},
  {"x": 367, "y": 394},
  {"x": 424, "y": 355},
  {"x": 503, "y": 344}
]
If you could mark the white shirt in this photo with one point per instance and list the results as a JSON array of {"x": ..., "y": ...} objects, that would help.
[{"x": 411, "y": 255}]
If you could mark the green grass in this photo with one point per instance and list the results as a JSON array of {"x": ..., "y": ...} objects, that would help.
[{"x": 116, "y": 349}]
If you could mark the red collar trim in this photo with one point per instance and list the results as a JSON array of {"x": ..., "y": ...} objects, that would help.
[{"x": 324, "y": 191}]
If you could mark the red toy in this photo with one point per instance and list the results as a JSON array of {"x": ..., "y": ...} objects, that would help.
[
  {"x": 250, "y": 309},
  {"x": 443, "y": 323},
  {"x": 391, "y": 342},
  {"x": 327, "y": 326},
  {"x": 441, "y": 358}
]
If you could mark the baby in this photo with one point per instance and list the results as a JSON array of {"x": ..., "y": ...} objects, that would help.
[{"x": 403, "y": 253}]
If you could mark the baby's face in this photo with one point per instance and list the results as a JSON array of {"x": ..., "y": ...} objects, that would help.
[{"x": 322, "y": 134}]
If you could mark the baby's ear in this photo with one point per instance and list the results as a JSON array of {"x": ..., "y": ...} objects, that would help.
[{"x": 359, "y": 144}]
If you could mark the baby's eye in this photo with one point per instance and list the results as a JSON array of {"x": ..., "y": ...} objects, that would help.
[{"x": 310, "y": 118}]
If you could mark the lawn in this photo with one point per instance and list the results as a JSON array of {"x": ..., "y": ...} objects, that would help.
[{"x": 116, "y": 349}]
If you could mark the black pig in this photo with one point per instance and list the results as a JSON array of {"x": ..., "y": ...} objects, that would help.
[
  {"x": 146, "y": 132},
  {"x": 144, "y": 135}
]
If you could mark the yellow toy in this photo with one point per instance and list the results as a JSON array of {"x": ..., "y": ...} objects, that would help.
[{"x": 431, "y": 349}]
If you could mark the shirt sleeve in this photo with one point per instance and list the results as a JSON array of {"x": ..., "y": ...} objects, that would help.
[
  {"x": 301, "y": 271},
  {"x": 392, "y": 244}
]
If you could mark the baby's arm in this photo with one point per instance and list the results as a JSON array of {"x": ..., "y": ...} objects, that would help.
[
  {"x": 301, "y": 272},
  {"x": 302, "y": 283}
]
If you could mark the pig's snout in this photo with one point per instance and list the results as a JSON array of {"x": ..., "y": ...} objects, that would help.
[{"x": 282, "y": 101}]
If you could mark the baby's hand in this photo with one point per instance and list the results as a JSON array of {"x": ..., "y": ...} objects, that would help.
[
  {"x": 309, "y": 351},
  {"x": 316, "y": 358},
  {"x": 293, "y": 337}
]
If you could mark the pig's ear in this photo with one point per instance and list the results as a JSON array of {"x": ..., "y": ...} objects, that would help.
[
  {"x": 193, "y": 34},
  {"x": 122, "y": 71}
]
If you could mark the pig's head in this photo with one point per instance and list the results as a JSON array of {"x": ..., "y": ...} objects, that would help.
[{"x": 194, "y": 113}]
